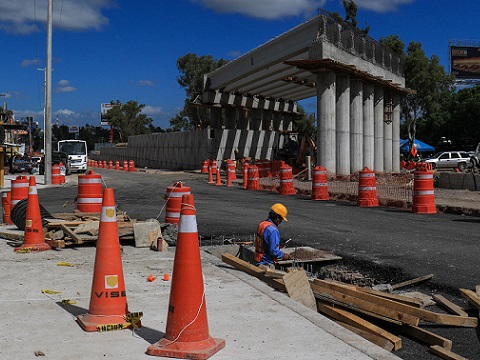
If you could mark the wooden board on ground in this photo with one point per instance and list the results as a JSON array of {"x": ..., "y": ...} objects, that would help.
[
  {"x": 425, "y": 300},
  {"x": 253, "y": 270},
  {"x": 11, "y": 232},
  {"x": 445, "y": 354},
  {"x": 412, "y": 281},
  {"x": 448, "y": 305},
  {"x": 359, "y": 323},
  {"x": 394, "y": 297},
  {"x": 298, "y": 288},
  {"x": 472, "y": 297},
  {"x": 377, "y": 340},
  {"x": 393, "y": 306},
  {"x": 426, "y": 336}
]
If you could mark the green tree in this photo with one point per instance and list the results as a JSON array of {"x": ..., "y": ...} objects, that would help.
[
  {"x": 394, "y": 43},
  {"x": 462, "y": 128},
  {"x": 128, "y": 120},
  {"x": 192, "y": 68}
]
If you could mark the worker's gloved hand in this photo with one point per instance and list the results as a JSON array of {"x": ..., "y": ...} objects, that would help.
[{"x": 286, "y": 257}]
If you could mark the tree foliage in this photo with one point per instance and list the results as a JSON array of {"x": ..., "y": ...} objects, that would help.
[
  {"x": 192, "y": 69},
  {"x": 128, "y": 119}
]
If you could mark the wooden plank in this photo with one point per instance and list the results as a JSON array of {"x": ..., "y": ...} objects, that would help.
[
  {"x": 298, "y": 288},
  {"x": 426, "y": 336},
  {"x": 377, "y": 340},
  {"x": 55, "y": 243},
  {"x": 357, "y": 303},
  {"x": 445, "y": 354},
  {"x": 253, "y": 270},
  {"x": 273, "y": 273},
  {"x": 423, "y": 314},
  {"x": 394, "y": 297},
  {"x": 448, "y": 305},
  {"x": 412, "y": 281},
  {"x": 477, "y": 289},
  {"x": 71, "y": 234},
  {"x": 472, "y": 297},
  {"x": 359, "y": 323}
]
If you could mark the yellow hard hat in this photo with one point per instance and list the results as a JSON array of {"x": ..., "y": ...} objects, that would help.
[{"x": 281, "y": 210}]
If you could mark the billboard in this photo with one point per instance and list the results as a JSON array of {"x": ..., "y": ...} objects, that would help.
[
  {"x": 465, "y": 62},
  {"x": 103, "y": 113}
]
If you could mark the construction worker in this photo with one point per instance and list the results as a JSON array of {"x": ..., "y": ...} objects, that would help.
[{"x": 267, "y": 241}]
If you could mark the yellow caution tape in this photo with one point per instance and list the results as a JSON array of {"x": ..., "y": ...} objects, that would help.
[
  {"x": 134, "y": 318},
  {"x": 24, "y": 250},
  {"x": 63, "y": 263},
  {"x": 68, "y": 302},
  {"x": 48, "y": 291},
  {"x": 112, "y": 327}
]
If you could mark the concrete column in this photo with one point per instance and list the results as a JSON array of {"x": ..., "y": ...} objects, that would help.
[
  {"x": 342, "y": 124},
  {"x": 242, "y": 119},
  {"x": 256, "y": 119},
  {"x": 326, "y": 120},
  {"x": 368, "y": 129},
  {"x": 230, "y": 118},
  {"x": 216, "y": 120},
  {"x": 378, "y": 129},
  {"x": 396, "y": 133},
  {"x": 356, "y": 126},
  {"x": 387, "y": 142}
]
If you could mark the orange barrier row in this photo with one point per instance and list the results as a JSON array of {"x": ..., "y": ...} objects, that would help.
[{"x": 103, "y": 164}]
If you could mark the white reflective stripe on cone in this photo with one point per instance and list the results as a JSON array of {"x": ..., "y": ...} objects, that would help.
[
  {"x": 366, "y": 175},
  {"x": 90, "y": 181},
  {"x": 425, "y": 192},
  {"x": 108, "y": 214},
  {"x": 367, "y": 188},
  {"x": 426, "y": 176},
  {"x": 89, "y": 200},
  {"x": 32, "y": 190},
  {"x": 172, "y": 214},
  {"x": 177, "y": 194},
  {"x": 188, "y": 224}
]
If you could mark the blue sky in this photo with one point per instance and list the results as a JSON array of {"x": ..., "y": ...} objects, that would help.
[{"x": 127, "y": 50}]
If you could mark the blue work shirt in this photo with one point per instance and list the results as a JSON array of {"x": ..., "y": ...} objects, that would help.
[{"x": 271, "y": 245}]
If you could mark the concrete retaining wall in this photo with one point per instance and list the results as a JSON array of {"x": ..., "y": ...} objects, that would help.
[
  {"x": 186, "y": 150},
  {"x": 452, "y": 180}
]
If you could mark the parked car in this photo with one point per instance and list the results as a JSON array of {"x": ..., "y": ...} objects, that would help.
[
  {"x": 21, "y": 164},
  {"x": 451, "y": 159},
  {"x": 57, "y": 158}
]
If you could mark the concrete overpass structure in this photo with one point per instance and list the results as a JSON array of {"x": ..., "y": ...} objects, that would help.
[{"x": 357, "y": 82}]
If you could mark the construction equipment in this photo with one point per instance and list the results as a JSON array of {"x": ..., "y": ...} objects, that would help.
[{"x": 293, "y": 147}]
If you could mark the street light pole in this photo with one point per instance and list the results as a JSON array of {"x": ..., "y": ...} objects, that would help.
[{"x": 48, "y": 98}]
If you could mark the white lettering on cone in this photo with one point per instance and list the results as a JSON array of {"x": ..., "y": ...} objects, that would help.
[{"x": 188, "y": 224}]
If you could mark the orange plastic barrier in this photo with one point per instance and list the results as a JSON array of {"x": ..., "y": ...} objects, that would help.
[
  {"x": 110, "y": 164},
  {"x": 63, "y": 172},
  {"x": 245, "y": 167},
  {"x": 186, "y": 334},
  {"x": 174, "y": 201},
  {"x": 117, "y": 165},
  {"x": 89, "y": 198},
  {"x": 253, "y": 182},
  {"x": 108, "y": 308},
  {"x": 286, "y": 181},
  {"x": 56, "y": 180},
  {"x": 319, "y": 184},
  {"x": 125, "y": 165},
  {"x": 231, "y": 173},
  {"x": 131, "y": 166},
  {"x": 423, "y": 191},
  {"x": 19, "y": 189},
  {"x": 34, "y": 240},
  {"x": 205, "y": 165},
  {"x": 367, "y": 189},
  {"x": 6, "y": 200}
]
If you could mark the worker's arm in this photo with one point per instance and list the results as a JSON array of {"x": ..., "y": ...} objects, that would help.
[{"x": 271, "y": 238}]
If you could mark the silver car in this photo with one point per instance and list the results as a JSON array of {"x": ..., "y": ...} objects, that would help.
[{"x": 451, "y": 160}]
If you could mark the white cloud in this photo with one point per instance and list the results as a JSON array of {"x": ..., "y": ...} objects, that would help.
[
  {"x": 265, "y": 9},
  {"x": 21, "y": 17},
  {"x": 382, "y": 6},
  {"x": 63, "y": 82},
  {"x": 153, "y": 110},
  {"x": 66, "y": 89},
  {"x": 146, "y": 83},
  {"x": 268, "y": 9},
  {"x": 28, "y": 62}
]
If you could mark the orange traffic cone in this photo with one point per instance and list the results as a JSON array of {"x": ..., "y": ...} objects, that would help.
[
  {"x": 108, "y": 300},
  {"x": 34, "y": 239},
  {"x": 187, "y": 327},
  {"x": 218, "y": 180},
  {"x": 210, "y": 175}
]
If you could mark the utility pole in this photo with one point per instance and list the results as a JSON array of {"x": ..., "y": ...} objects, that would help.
[{"x": 48, "y": 99}]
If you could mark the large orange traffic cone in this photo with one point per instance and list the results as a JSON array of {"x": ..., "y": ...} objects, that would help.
[
  {"x": 34, "y": 239},
  {"x": 187, "y": 335},
  {"x": 108, "y": 300}
]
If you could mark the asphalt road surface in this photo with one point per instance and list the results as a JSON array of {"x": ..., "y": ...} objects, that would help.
[{"x": 394, "y": 244}]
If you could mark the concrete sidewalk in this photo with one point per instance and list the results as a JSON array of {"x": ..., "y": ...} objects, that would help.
[{"x": 256, "y": 321}]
